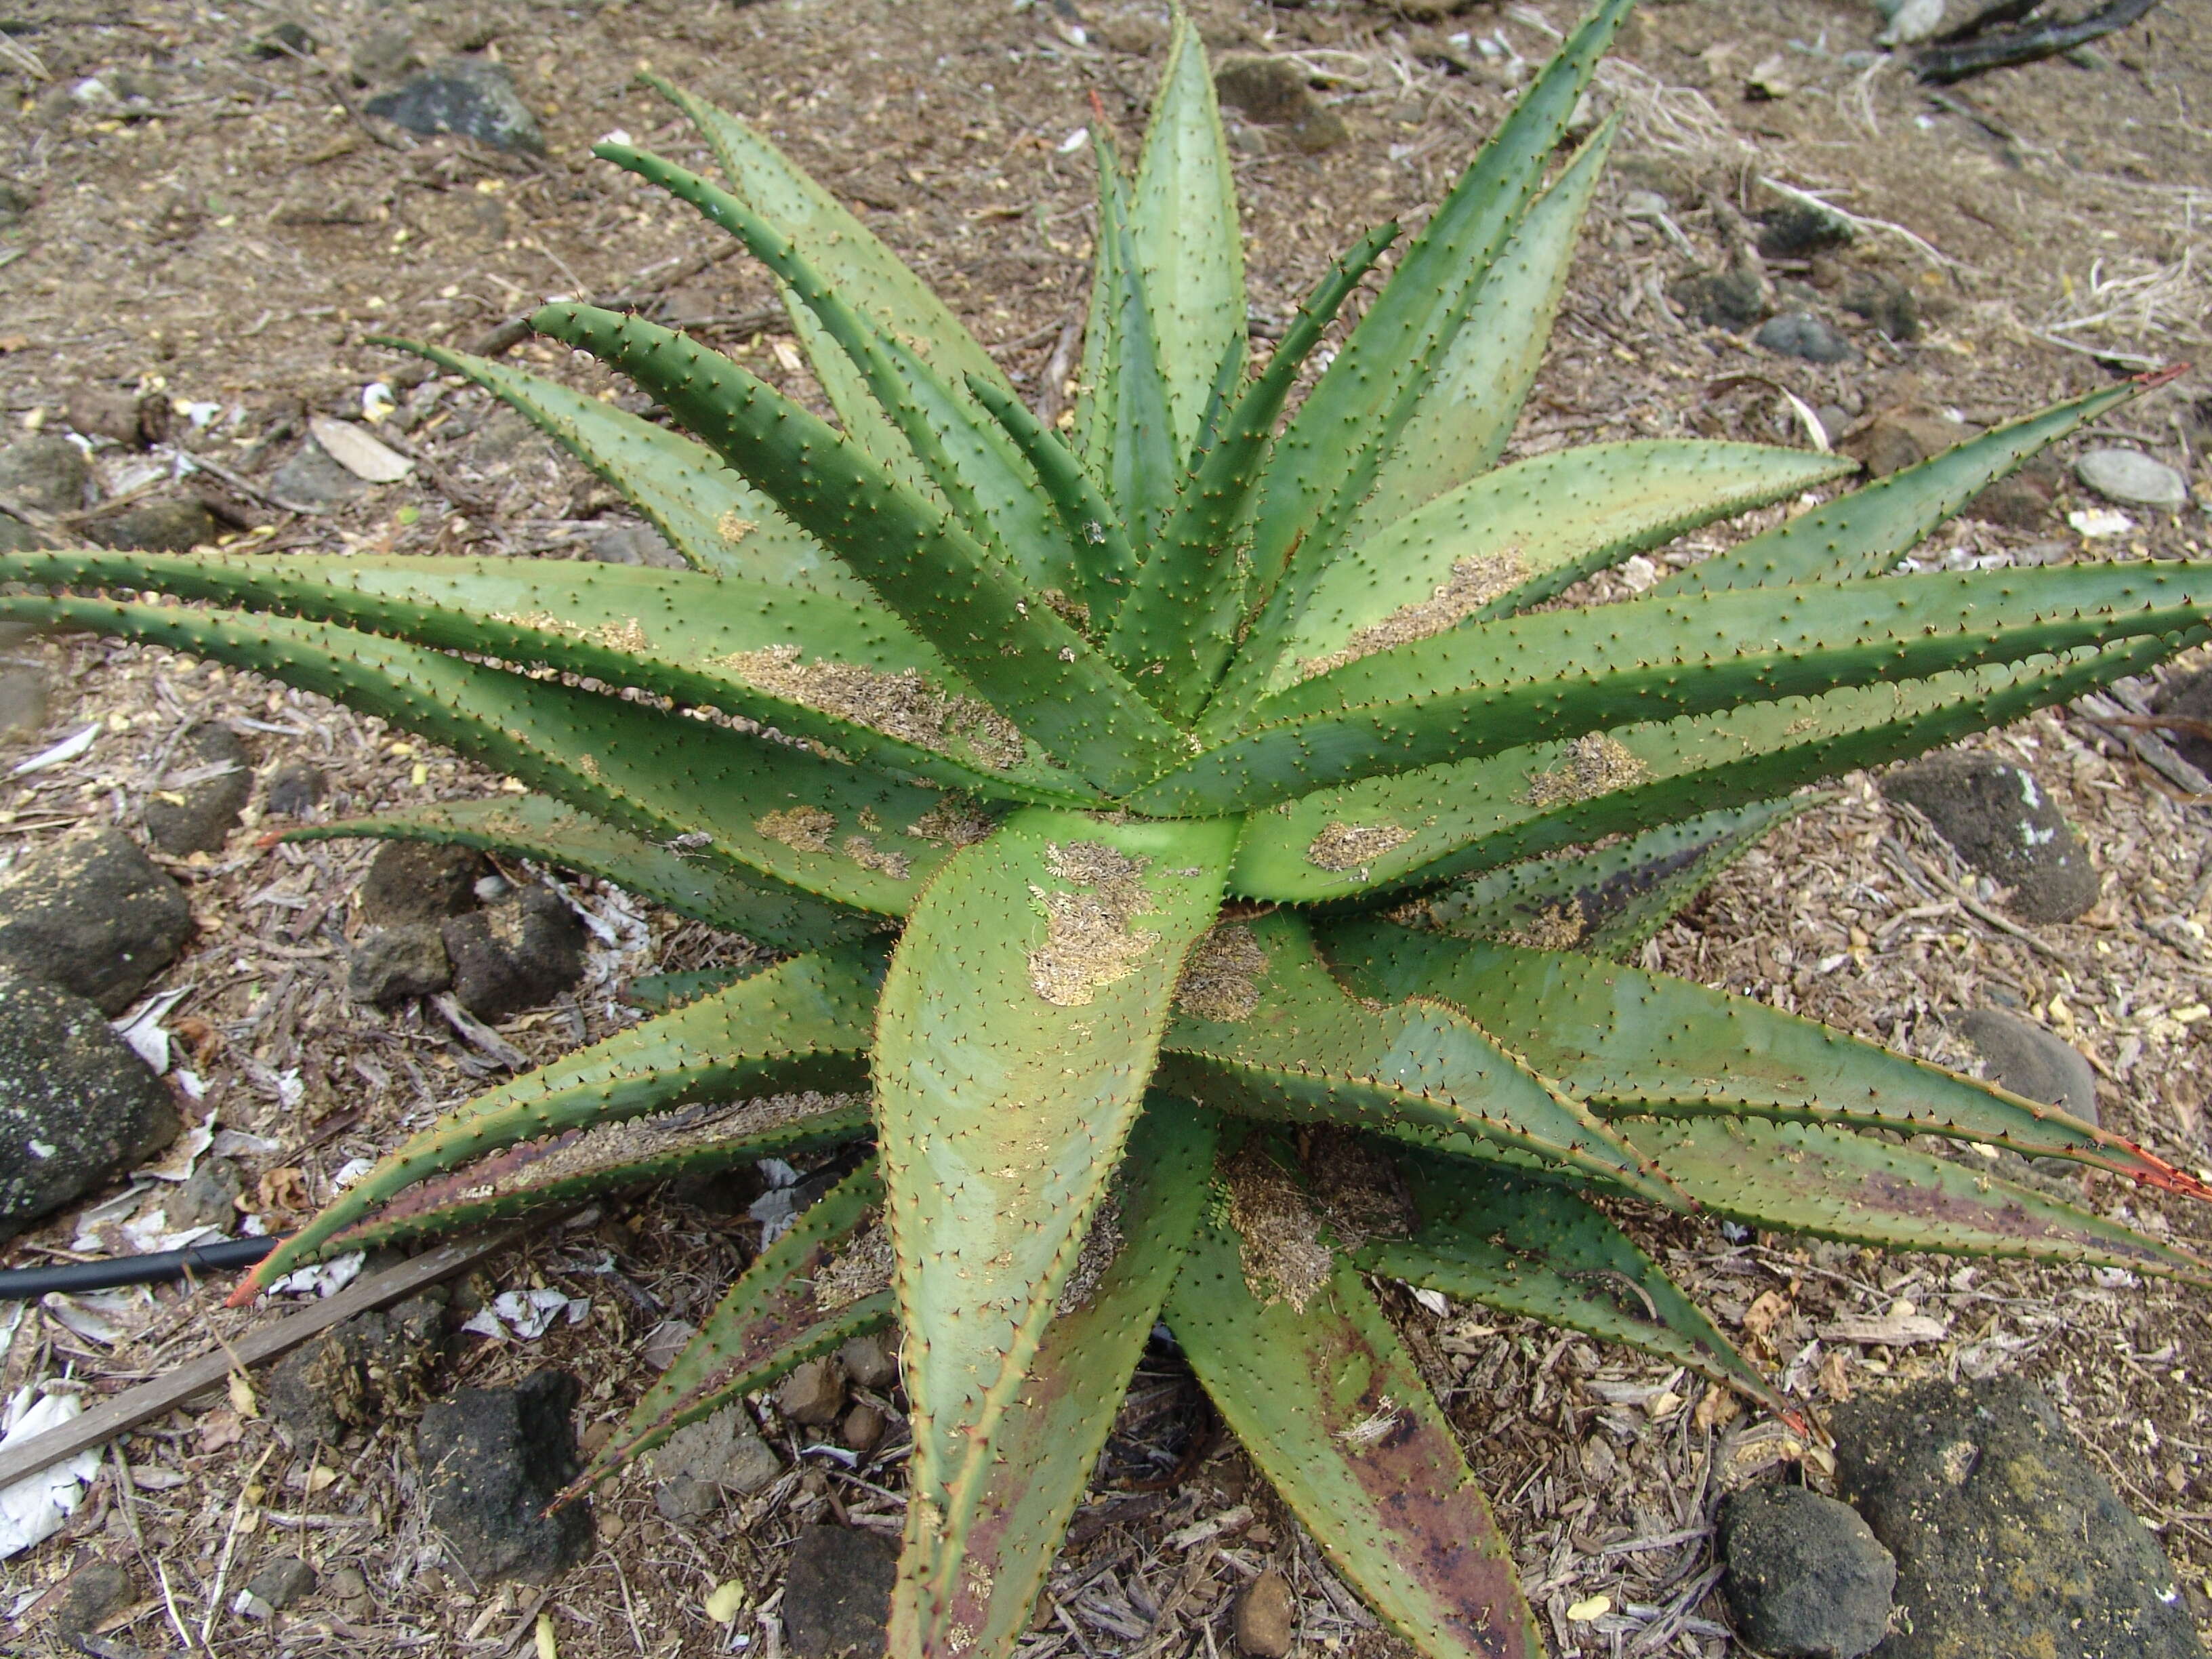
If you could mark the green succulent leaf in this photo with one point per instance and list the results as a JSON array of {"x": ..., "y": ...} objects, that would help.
[
  {"x": 1636, "y": 1043},
  {"x": 658, "y": 992},
  {"x": 1534, "y": 1249},
  {"x": 1184, "y": 229},
  {"x": 1025, "y": 661},
  {"x": 1017, "y": 1028},
  {"x": 538, "y": 827},
  {"x": 581, "y": 1164},
  {"x": 1324, "y": 1396},
  {"x": 717, "y": 521},
  {"x": 1510, "y": 538},
  {"x": 1605, "y": 902},
  {"x": 801, "y": 1025},
  {"x": 1053, "y": 1429},
  {"x": 793, "y": 1304},
  {"x": 1867, "y": 531},
  {"x": 1106, "y": 562},
  {"x": 1261, "y": 1028},
  {"x": 1427, "y": 826},
  {"x": 1130, "y": 448}
]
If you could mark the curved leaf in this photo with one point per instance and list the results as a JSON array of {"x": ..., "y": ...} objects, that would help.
[{"x": 802, "y": 1024}]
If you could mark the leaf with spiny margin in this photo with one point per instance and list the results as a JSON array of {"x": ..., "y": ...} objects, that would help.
[
  {"x": 1327, "y": 461},
  {"x": 1183, "y": 223},
  {"x": 1534, "y": 1249},
  {"x": 658, "y": 992},
  {"x": 969, "y": 458},
  {"x": 720, "y": 523},
  {"x": 1867, "y": 531},
  {"x": 835, "y": 243},
  {"x": 1018, "y": 1030},
  {"x": 589, "y": 1162},
  {"x": 1484, "y": 687},
  {"x": 1186, "y": 609},
  {"x": 1465, "y": 413},
  {"x": 1334, "y": 1410},
  {"x": 1053, "y": 1430},
  {"x": 779, "y": 812},
  {"x": 1133, "y": 452},
  {"x": 772, "y": 1320},
  {"x": 1261, "y": 1027},
  {"x": 1504, "y": 541},
  {"x": 801, "y": 1024},
  {"x": 1635, "y": 1043},
  {"x": 1025, "y": 662},
  {"x": 1426, "y": 827},
  {"x": 1105, "y": 564},
  {"x": 1833, "y": 1183},
  {"x": 1605, "y": 902},
  {"x": 1095, "y": 415},
  {"x": 807, "y": 664},
  {"x": 538, "y": 827}
]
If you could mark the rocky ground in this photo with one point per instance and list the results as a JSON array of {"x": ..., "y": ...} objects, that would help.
[{"x": 205, "y": 213}]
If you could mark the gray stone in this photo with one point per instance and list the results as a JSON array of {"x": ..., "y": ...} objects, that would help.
[
  {"x": 684, "y": 1503},
  {"x": 812, "y": 1393},
  {"x": 2007, "y": 1541},
  {"x": 196, "y": 812},
  {"x": 862, "y": 1429},
  {"x": 1730, "y": 299},
  {"x": 207, "y": 1198},
  {"x": 312, "y": 478},
  {"x": 2005, "y": 825},
  {"x": 348, "y": 1587},
  {"x": 725, "y": 1451},
  {"x": 171, "y": 524},
  {"x": 519, "y": 953},
  {"x": 493, "y": 1459},
  {"x": 2021, "y": 1056},
  {"x": 77, "y": 1107},
  {"x": 1807, "y": 1579},
  {"x": 92, "y": 914},
  {"x": 48, "y": 473},
  {"x": 24, "y": 697},
  {"x": 294, "y": 790},
  {"x": 92, "y": 1592},
  {"x": 2133, "y": 478},
  {"x": 871, "y": 1361},
  {"x": 469, "y": 97},
  {"x": 637, "y": 544},
  {"x": 356, "y": 1373},
  {"x": 391, "y": 964},
  {"x": 1272, "y": 92},
  {"x": 281, "y": 1582},
  {"x": 420, "y": 881},
  {"x": 1801, "y": 334},
  {"x": 837, "y": 1593}
]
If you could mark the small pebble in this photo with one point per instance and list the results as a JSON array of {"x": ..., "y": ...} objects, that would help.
[
  {"x": 1801, "y": 334},
  {"x": 814, "y": 1393},
  {"x": 2133, "y": 478},
  {"x": 1266, "y": 1617}
]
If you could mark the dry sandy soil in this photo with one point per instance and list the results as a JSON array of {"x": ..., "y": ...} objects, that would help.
[{"x": 227, "y": 230}]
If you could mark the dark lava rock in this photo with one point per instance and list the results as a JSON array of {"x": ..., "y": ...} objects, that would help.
[
  {"x": 295, "y": 790},
  {"x": 356, "y": 1373},
  {"x": 312, "y": 478},
  {"x": 2023, "y": 1057},
  {"x": 493, "y": 1459},
  {"x": 1721, "y": 299},
  {"x": 284, "y": 40},
  {"x": 837, "y": 1593},
  {"x": 1806, "y": 1578},
  {"x": 1889, "y": 305},
  {"x": 174, "y": 524},
  {"x": 420, "y": 881},
  {"x": 2189, "y": 697},
  {"x": 92, "y": 1592},
  {"x": 48, "y": 473},
  {"x": 209, "y": 781},
  {"x": 207, "y": 1198},
  {"x": 92, "y": 914},
  {"x": 1272, "y": 92},
  {"x": 637, "y": 544},
  {"x": 77, "y": 1107},
  {"x": 519, "y": 953},
  {"x": 1799, "y": 231},
  {"x": 467, "y": 96},
  {"x": 2002, "y": 824},
  {"x": 281, "y": 1582},
  {"x": 1801, "y": 334},
  {"x": 2007, "y": 1540},
  {"x": 391, "y": 964}
]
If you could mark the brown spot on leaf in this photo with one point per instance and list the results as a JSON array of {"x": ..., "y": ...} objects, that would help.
[
  {"x": 1090, "y": 940},
  {"x": 1353, "y": 846},
  {"x": 1221, "y": 978},
  {"x": 802, "y": 829},
  {"x": 1278, "y": 1231},
  {"x": 903, "y": 705},
  {"x": 1596, "y": 763},
  {"x": 1473, "y": 583}
]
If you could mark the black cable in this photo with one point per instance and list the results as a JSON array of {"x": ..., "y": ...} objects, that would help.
[{"x": 217, "y": 1255}]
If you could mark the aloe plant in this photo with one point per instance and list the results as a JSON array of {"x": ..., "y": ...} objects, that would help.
[{"x": 1170, "y": 820}]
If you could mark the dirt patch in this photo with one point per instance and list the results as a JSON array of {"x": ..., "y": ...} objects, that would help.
[
  {"x": 1090, "y": 940},
  {"x": 802, "y": 829},
  {"x": 1278, "y": 1231},
  {"x": 1355, "y": 846},
  {"x": 1221, "y": 976},
  {"x": 1475, "y": 581},
  {"x": 1597, "y": 763},
  {"x": 902, "y": 705}
]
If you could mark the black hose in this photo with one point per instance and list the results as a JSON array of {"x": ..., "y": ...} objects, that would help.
[{"x": 217, "y": 1255}]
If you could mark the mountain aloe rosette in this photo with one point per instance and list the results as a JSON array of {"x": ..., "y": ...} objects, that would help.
[{"x": 1170, "y": 820}]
